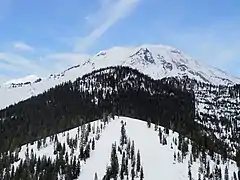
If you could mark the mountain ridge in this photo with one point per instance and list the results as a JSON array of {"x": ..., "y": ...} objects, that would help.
[
  {"x": 168, "y": 155},
  {"x": 149, "y": 54},
  {"x": 156, "y": 61}
]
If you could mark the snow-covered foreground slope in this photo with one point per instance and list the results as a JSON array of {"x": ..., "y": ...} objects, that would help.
[
  {"x": 157, "y": 61},
  {"x": 157, "y": 159},
  {"x": 157, "y": 156}
]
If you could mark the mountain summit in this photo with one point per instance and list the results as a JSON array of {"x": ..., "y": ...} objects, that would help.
[
  {"x": 160, "y": 61},
  {"x": 157, "y": 61}
]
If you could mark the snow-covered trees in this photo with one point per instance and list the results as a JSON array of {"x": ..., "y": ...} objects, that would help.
[
  {"x": 130, "y": 166},
  {"x": 141, "y": 174},
  {"x": 123, "y": 137},
  {"x": 138, "y": 161},
  {"x": 149, "y": 122},
  {"x": 114, "y": 162},
  {"x": 95, "y": 176}
]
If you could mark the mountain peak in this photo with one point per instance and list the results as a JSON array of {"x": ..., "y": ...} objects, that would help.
[{"x": 156, "y": 61}]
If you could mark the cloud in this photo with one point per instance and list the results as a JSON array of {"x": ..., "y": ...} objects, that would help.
[
  {"x": 14, "y": 63},
  {"x": 109, "y": 13},
  {"x": 4, "y": 78},
  {"x": 61, "y": 61},
  {"x": 215, "y": 45},
  {"x": 21, "y": 46}
]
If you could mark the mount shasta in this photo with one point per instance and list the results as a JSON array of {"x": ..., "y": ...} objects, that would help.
[
  {"x": 194, "y": 110},
  {"x": 157, "y": 61}
]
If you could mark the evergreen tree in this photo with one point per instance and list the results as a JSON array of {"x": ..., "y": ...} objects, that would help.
[
  {"x": 204, "y": 157},
  {"x": 132, "y": 173},
  {"x": 174, "y": 156},
  {"x": 164, "y": 141},
  {"x": 74, "y": 168},
  {"x": 12, "y": 171},
  {"x": 179, "y": 157},
  {"x": 138, "y": 161},
  {"x": 191, "y": 159},
  {"x": 114, "y": 162},
  {"x": 132, "y": 150},
  {"x": 89, "y": 127},
  {"x": 81, "y": 153},
  {"x": 123, "y": 135},
  {"x": 149, "y": 122},
  {"x": 128, "y": 148},
  {"x": 208, "y": 169},
  {"x": 122, "y": 172},
  {"x": 160, "y": 135},
  {"x": 234, "y": 176},
  {"x": 107, "y": 176},
  {"x": 95, "y": 176},
  {"x": 87, "y": 151},
  {"x": 220, "y": 172},
  {"x": 123, "y": 166},
  {"x": 133, "y": 161},
  {"x": 66, "y": 157},
  {"x": 238, "y": 158},
  {"x": 184, "y": 148},
  {"x": 126, "y": 166},
  {"x": 39, "y": 143},
  {"x": 141, "y": 174},
  {"x": 189, "y": 171},
  {"x": 226, "y": 176},
  {"x": 199, "y": 176},
  {"x": 78, "y": 168},
  {"x": 93, "y": 144}
]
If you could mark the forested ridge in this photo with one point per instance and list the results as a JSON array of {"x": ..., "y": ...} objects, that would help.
[
  {"x": 118, "y": 90},
  {"x": 169, "y": 102}
]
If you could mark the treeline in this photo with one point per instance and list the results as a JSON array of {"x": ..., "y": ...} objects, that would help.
[
  {"x": 117, "y": 90},
  {"x": 131, "y": 164},
  {"x": 66, "y": 162}
]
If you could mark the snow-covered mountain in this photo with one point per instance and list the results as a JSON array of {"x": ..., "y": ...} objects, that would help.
[
  {"x": 157, "y": 61},
  {"x": 163, "y": 154},
  {"x": 21, "y": 81}
]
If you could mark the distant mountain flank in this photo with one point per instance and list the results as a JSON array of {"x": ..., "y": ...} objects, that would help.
[
  {"x": 50, "y": 127},
  {"x": 156, "y": 61},
  {"x": 23, "y": 81}
]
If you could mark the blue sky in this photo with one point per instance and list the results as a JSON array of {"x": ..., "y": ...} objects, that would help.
[{"x": 41, "y": 37}]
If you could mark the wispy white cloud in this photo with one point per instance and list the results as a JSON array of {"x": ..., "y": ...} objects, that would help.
[
  {"x": 21, "y": 46},
  {"x": 16, "y": 63},
  {"x": 215, "y": 45},
  {"x": 109, "y": 13},
  {"x": 61, "y": 61},
  {"x": 4, "y": 78}
]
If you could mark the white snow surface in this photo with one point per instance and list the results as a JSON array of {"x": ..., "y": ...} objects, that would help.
[
  {"x": 157, "y": 61},
  {"x": 157, "y": 159},
  {"x": 27, "y": 79}
]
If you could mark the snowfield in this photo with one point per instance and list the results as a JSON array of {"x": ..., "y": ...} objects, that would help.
[
  {"x": 156, "y": 61},
  {"x": 157, "y": 160}
]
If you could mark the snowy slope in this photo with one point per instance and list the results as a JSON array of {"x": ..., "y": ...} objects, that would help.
[
  {"x": 157, "y": 61},
  {"x": 28, "y": 79},
  {"x": 157, "y": 159},
  {"x": 160, "y": 61}
]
